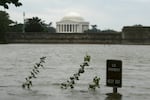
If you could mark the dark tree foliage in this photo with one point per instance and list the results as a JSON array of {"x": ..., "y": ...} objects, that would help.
[
  {"x": 37, "y": 25},
  {"x": 137, "y": 25},
  {"x": 48, "y": 28},
  {"x": 16, "y": 28},
  {"x": 5, "y": 3},
  {"x": 4, "y": 21},
  {"x": 51, "y": 30},
  {"x": 34, "y": 25},
  {"x": 93, "y": 30},
  {"x": 109, "y": 31}
]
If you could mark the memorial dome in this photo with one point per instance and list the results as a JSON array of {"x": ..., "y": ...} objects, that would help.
[
  {"x": 73, "y": 17},
  {"x": 72, "y": 23}
]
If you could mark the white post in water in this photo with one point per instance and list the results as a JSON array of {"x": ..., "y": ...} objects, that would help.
[{"x": 114, "y": 74}]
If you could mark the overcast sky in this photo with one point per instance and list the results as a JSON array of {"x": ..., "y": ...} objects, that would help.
[{"x": 107, "y": 14}]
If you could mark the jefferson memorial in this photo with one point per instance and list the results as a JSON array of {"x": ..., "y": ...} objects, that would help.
[{"x": 72, "y": 23}]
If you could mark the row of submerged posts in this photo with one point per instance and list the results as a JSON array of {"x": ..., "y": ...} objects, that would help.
[
  {"x": 75, "y": 77},
  {"x": 113, "y": 75},
  {"x": 69, "y": 83},
  {"x": 33, "y": 73}
]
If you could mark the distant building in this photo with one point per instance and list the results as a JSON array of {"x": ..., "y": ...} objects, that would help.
[
  {"x": 136, "y": 33},
  {"x": 72, "y": 23}
]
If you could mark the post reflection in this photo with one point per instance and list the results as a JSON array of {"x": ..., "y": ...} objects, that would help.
[{"x": 113, "y": 96}]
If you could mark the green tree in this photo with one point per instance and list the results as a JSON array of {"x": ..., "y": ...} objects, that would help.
[
  {"x": 48, "y": 28},
  {"x": 16, "y": 28},
  {"x": 4, "y": 23},
  {"x": 93, "y": 29},
  {"x": 34, "y": 25},
  {"x": 51, "y": 30},
  {"x": 137, "y": 25},
  {"x": 5, "y": 3}
]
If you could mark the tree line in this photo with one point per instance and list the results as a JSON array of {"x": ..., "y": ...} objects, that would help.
[
  {"x": 94, "y": 29},
  {"x": 5, "y": 3},
  {"x": 33, "y": 24}
]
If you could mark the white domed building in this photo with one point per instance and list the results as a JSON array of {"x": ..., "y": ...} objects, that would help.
[{"x": 72, "y": 23}]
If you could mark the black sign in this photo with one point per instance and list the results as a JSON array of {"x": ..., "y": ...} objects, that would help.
[{"x": 114, "y": 73}]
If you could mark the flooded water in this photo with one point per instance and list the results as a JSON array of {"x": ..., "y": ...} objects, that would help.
[{"x": 17, "y": 60}]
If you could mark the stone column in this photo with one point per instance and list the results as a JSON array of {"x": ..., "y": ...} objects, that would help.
[
  {"x": 69, "y": 28},
  {"x": 80, "y": 28},
  {"x": 76, "y": 28},
  {"x": 62, "y": 28},
  {"x": 73, "y": 28},
  {"x": 58, "y": 28},
  {"x": 65, "y": 29}
]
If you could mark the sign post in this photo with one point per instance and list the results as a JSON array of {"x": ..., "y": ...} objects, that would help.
[{"x": 114, "y": 74}]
